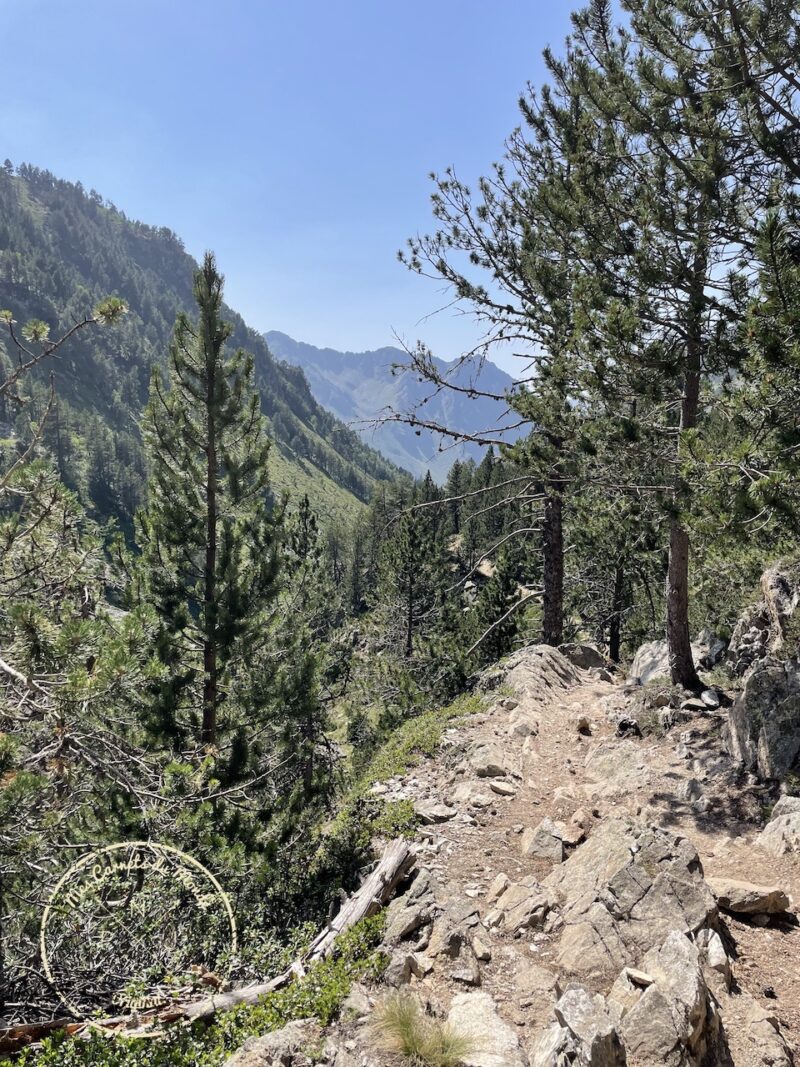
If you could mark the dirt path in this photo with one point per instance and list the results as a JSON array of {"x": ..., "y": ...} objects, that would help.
[{"x": 554, "y": 734}]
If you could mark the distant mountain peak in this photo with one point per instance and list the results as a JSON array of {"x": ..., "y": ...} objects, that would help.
[{"x": 359, "y": 387}]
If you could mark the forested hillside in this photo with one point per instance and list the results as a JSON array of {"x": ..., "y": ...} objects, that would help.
[
  {"x": 615, "y": 595},
  {"x": 61, "y": 249},
  {"x": 364, "y": 388}
]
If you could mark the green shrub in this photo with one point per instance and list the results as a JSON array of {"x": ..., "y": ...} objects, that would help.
[{"x": 318, "y": 995}]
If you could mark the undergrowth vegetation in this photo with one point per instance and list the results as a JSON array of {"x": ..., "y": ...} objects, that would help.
[{"x": 318, "y": 995}]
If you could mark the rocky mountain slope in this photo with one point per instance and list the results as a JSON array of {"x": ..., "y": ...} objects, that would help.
[
  {"x": 359, "y": 386},
  {"x": 601, "y": 877},
  {"x": 61, "y": 250}
]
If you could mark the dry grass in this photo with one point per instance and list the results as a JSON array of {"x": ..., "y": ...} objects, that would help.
[{"x": 400, "y": 1025}]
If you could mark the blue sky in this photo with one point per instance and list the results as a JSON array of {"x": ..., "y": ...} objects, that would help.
[{"x": 292, "y": 138}]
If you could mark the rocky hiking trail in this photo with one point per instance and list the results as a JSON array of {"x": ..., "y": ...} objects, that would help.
[{"x": 584, "y": 897}]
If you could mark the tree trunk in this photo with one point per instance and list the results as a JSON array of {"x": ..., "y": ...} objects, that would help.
[
  {"x": 681, "y": 662},
  {"x": 553, "y": 570},
  {"x": 617, "y": 607}
]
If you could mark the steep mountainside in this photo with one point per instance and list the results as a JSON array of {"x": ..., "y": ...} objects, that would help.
[
  {"x": 60, "y": 250},
  {"x": 359, "y": 386}
]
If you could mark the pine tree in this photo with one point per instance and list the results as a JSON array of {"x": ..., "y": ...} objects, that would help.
[{"x": 209, "y": 541}]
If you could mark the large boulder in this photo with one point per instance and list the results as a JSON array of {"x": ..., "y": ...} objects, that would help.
[
  {"x": 763, "y": 728},
  {"x": 652, "y": 659},
  {"x": 492, "y": 1042},
  {"x": 581, "y": 655},
  {"x": 623, "y": 892},
  {"x": 744, "y": 898},
  {"x": 782, "y": 832},
  {"x": 584, "y": 1033},
  {"x": 764, "y": 628},
  {"x": 672, "y": 1022}
]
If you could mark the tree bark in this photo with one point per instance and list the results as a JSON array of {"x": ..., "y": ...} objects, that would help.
[
  {"x": 681, "y": 661},
  {"x": 553, "y": 570},
  {"x": 617, "y": 607}
]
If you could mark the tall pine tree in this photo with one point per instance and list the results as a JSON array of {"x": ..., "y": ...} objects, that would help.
[{"x": 209, "y": 539}]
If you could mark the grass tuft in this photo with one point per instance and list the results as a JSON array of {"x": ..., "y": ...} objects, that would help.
[{"x": 401, "y": 1026}]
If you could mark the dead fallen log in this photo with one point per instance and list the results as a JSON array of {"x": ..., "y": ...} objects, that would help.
[{"x": 376, "y": 890}]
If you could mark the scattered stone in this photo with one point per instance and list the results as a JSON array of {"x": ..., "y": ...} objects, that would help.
[
  {"x": 710, "y": 698},
  {"x": 481, "y": 949},
  {"x": 744, "y": 898},
  {"x": 782, "y": 832},
  {"x": 503, "y": 789},
  {"x": 545, "y": 841},
  {"x": 480, "y": 800},
  {"x": 693, "y": 704},
  {"x": 713, "y": 954},
  {"x": 431, "y": 813},
  {"x": 532, "y": 980},
  {"x": 468, "y": 971},
  {"x": 582, "y": 655},
  {"x": 582, "y": 724},
  {"x": 493, "y": 1042},
  {"x": 357, "y": 1004},
  {"x": 399, "y": 969},
  {"x": 628, "y": 727},
  {"x": 524, "y": 726},
  {"x": 523, "y": 905},
  {"x": 497, "y": 888},
  {"x": 489, "y": 761}
]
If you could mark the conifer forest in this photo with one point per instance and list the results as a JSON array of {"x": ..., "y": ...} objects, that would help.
[{"x": 227, "y": 621}]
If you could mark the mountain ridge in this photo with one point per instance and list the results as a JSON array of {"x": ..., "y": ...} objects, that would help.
[
  {"x": 61, "y": 250},
  {"x": 359, "y": 387}
]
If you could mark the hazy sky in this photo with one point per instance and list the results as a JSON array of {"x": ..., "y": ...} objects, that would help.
[{"x": 292, "y": 138}]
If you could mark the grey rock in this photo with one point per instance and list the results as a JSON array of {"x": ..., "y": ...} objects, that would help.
[
  {"x": 672, "y": 1022},
  {"x": 713, "y": 954},
  {"x": 399, "y": 969},
  {"x": 761, "y": 631},
  {"x": 782, "y": 832},
  {"x": 652, "y": 659},
  {"x": 582, "y": 655},
  {"x": 763, "y": 727},
  {"x": 710, "y": 698},
  {"x": 745, "y": 898},
  {"x": 431, "y": 813},
  {"x": 488, "y": 760},
  {"x": 281, "y": 1048},
  {"x": 584, "y": 1034},
  {"x": 545, "y": 842},
  {"x": 503, "y": 789},
  {"x": 357, "y": 1004},
  {"x": 590, "y": 1022},
  {"x": 493, "y": 1043},
  {"x": 623, "y": 891},
  {"x": 522, "y": 905}
]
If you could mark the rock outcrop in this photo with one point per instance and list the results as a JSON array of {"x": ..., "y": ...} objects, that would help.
[
  {"x": 763, "y": 628},
  {"x": 782, "y": 832},
  {"x": 652, "y": 659},
  {"x": 624, "y": 891},
  {"x": 763, "y": 728}
]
